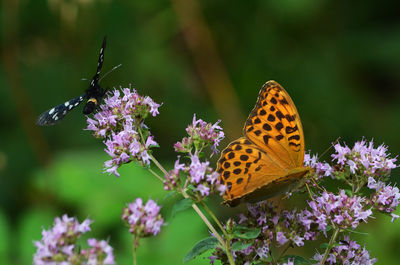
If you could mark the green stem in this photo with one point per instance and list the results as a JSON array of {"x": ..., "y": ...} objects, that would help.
[
  {"x": 208, "y": 210},
  {"x": 197, "y": 210},
  {"x": 284, "y": 251},
  {"x": 158, "y": 165},
  {"x": 272, "y": 257},
  {"x": 194, "y": 206},
  {"x": 331, "y": 242},
  {"x": 229, "y": 252},
  {"x": 359, "y": 186},
  {"x": 134, "y": 250},
  {"x": 156, "y": 175},
  {"x": 204, "y": 218},
  {"x": 151, "y": 156}
]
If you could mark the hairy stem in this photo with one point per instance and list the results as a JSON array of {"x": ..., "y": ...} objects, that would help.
[
  {"x": 134, "y": 243},
  {"x": 331, "y": 242},
  {"x": 309, "y": 193},
  {"x": 198, "y": 211},
  {"x": 208, "y": 210},
  {"x": 284, "y": 251},
  {"x": 156, "y": 175},
  {"x": 229, "y": 252},
  {"x": 159, "y": 165},
  {"x": 206, "y": 221}
]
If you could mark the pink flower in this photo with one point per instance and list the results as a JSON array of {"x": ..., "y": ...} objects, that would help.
[
  {"x": 119, "y": 122},
  {"x": 143, "y": 220}
]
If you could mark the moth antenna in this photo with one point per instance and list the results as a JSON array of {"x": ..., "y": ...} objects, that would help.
[{"x": 114, "y": 68}]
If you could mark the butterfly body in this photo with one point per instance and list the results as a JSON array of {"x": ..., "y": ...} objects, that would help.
[
  {"x": 93, "y": 94},
  {"x": 268, "y": 160}
]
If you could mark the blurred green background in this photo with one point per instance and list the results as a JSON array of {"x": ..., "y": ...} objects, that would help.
[{"x": 339, "y": 60}]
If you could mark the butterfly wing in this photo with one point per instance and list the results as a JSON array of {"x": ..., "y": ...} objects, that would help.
[
  {"x": 252, "y": 174},
  {"x": 275, "y": 126},
  {"x": 270, "y": 156},
  {"x": 54, "y": 115}
]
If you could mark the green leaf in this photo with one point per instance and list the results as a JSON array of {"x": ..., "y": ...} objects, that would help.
[
  {"x": 201, "y": 247},
  {"x": 245, "y": 232},
  {"x": 190, "y": 187},
  {"x": 240, "y": 245},
  {"x": 169, "y": 195},
  {"x": 348, "y": 192},
  {"x": 324, "y": 245},
  {"x": 181, "y": 206},
  {"x": 328, "y": 228},
  {"x": 297, "y": 260},
  {"x": 356, "y": 232}
]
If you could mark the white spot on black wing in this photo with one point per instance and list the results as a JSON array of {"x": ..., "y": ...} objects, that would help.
[{"x": 57, "y": 113}]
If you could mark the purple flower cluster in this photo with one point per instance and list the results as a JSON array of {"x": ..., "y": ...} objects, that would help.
[
  {"x": 201, "y": 134},
  {"x": 143, "y": 219},
  {"x": 341, "y": 210},
  {"x": 277, "y": 229},
  {"x": 58, "y": 245},
  {"x": 364, "y": 159},
  {"x": 201, "y": 176},
  {"x": 120, "y": 124},
  {"x": 347, "y": 252},
  {"x": 99, "y": 253},
  {"x": 385, "y": 198},
  {"x": 361, "y": 166},
  {"x": 295, "y": 227},
  {"x": 284, "y": 226},
  {"x": 321, "y": 169}
]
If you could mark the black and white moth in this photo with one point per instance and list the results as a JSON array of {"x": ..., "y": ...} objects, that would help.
[{"x": 93, "y": 94}]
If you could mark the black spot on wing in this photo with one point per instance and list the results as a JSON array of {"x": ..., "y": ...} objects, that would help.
[
  {"x": 244, "y": 157},
  {"x": 257, "y": 132},
  {"x": 290, "y": 130},
  {"x": 229, "y": 186},
  {"x": 237, "y": 163},
  {"x": 283, "y": 101},
  {"x": 279, "y": 126},
  {"x": 267, "y": 127},
  {"x": 257, "y": 120},
  {"x": 227, "y": 174},
  {"x": 280, "y": 115},
  {"x": 266, "y": 138},
  {"x": 237, "y": 171},
  {"x": 294, "y": 137}
]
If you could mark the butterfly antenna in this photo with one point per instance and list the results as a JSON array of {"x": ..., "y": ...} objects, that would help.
[
  {"x": 115, "y": 67},
  {"x": 332, "y": 145}
]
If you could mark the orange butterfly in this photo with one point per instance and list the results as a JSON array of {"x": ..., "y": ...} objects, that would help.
[{"x": 268, "y": 160}]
